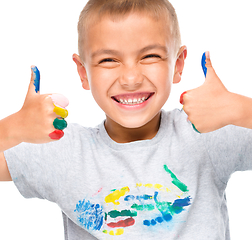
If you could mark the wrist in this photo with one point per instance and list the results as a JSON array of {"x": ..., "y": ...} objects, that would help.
[
  {"x": 240, "y": 112},
  {"x": 10, "y": 132}
]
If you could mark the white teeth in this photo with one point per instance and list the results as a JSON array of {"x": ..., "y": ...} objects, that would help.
[{"x": 133, "y": 101}]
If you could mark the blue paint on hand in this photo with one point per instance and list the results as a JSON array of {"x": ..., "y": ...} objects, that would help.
[
  {"x": 36, "y": 78},
  {"x": 203, "y": 64}
]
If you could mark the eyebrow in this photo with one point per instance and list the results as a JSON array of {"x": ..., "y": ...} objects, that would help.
[
  {"x": 115, "y": 52},
  {"x": 154, "y": 46}
]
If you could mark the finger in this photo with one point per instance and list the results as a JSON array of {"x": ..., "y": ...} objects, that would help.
[
  {"x": 203, "y": 62},
  {"x": 60, "y": 111},
  {"x": 59, "y": 123},
  {"x": 207, "y": 66},
  {"x": 35, "y": 79},
  {"x": 195, "y": 129},
  {"x": 59, "y": 100},
  {"x": 56, "y": 135},
  {"x": 181, "y": 100}
]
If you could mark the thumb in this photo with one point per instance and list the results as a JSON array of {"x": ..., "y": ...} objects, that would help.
[
  {"x": 205, "y": 56},
  {"x": 207, "y": 66},
  {"x": 34, "y": 85}
]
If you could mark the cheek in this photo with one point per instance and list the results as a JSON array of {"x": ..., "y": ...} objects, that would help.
[
  {"x": 100, "y": 83},
  {"x": 160, "y": 76}
]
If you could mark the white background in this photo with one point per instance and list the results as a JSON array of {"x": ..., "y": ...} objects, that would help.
[{"x": 44, "y": 33}]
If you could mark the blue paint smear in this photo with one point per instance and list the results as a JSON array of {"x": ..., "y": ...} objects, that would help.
[
  {"x": 179, "y": 204},
  {"x": 182, "y": 202},
  {"x": 153, "y": 222},
  {"x": 90, "y": 215},
  {"x": 139, "y": 198},
  {"x": 36, "y": 78},
  {"x": 129, "y": 198},
  {"x": 167, "y": 217},
  {"x": 144, "y": 197},
  {"x": 146, "y": 223},
  {"x": 155, "y": 197},
  {"x": 159, "y": 219},
  {"x": 203, "y": 64},
  {"x": 175, "y": 208}
]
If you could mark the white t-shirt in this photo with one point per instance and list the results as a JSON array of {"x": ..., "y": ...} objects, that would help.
[{"x": 169, "y": 187}]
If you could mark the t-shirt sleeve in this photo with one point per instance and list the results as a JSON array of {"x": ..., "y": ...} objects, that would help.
[
  {"x": 40, "y": 170},
  {"x": 230, "y": 150}
]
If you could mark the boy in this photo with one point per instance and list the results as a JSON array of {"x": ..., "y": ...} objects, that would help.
[{"x": 143, "y": 173}]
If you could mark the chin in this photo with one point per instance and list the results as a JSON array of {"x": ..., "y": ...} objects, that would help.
[{"x": 135, "y": 122}]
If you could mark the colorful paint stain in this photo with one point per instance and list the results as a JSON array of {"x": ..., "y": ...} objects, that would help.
[
  {"x": 175, "y": 180},
  {"x": 167, "y": 209},
  {"x": 155, "y": 186},
  {"x": 122, "y": 223},
  {"x": 36, "y": 77},
  {"x": 90, "y": 215},
  {"x": 116, "y": 195},
  {"x": 123, "y": 213},
  {"x": 123, "y": 209},
  {"x": 117, "y": 232}
]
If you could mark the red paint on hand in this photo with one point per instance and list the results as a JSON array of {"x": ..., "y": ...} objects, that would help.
[
  {"x": 56, "y": 135},
  {"x": 123, "y": 223},
  {"x": 181, "y": 98}
]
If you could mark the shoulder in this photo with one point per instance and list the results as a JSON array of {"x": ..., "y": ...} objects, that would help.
[
  {"x": 77, "y": 130},
  {"x": 78, "y": 136},
  {"x": 176, "y": 116},
  {"x": 177, "y": 122}
]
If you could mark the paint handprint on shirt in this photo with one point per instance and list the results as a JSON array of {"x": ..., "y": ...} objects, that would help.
[{"x": 125, "y": 208}]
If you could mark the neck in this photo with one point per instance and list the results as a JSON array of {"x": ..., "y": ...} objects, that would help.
[{"x": 122, "y": 134}]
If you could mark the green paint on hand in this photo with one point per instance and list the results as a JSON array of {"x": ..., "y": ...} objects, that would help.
[{"x": 59, "y": 123}]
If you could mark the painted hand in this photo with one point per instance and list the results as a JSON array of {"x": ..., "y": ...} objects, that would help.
[
  {"x": 42, "y": 116},
  {"x": 207, "y": 106}
]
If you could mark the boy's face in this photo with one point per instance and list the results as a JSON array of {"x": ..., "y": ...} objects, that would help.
[{"x": 130, "y": 65}]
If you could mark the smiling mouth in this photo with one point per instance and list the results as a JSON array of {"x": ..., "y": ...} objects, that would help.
[{"x": 132, "y": 99}]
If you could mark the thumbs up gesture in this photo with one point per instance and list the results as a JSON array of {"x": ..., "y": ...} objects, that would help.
[
  {"x": 209, "y": 107},
  {"x": 42, "y": 115}
]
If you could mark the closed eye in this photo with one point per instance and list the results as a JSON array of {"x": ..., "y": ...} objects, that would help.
[
  {"x": 106, "y": 60},
  {"x": 151, "y": 56}
]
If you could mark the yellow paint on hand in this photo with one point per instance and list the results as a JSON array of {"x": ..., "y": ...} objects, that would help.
[{"x": 61, "y": 111}]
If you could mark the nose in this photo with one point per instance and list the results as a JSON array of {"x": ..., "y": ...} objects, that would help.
[{"x": 131, "y": 77}]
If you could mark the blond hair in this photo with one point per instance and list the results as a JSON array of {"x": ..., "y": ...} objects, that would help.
[{"x": 118, "y": 9}]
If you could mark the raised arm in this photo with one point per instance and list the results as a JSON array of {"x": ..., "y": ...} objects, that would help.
[
  {"x": 40, "y": 120},
  {"x": 4, "y": 171},
  {"x": 211, "y": 106}
]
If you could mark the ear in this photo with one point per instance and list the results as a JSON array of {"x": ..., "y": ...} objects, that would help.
[
  {"x": 180, "y": 62},
  {"x": 81, "y": 71}
]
